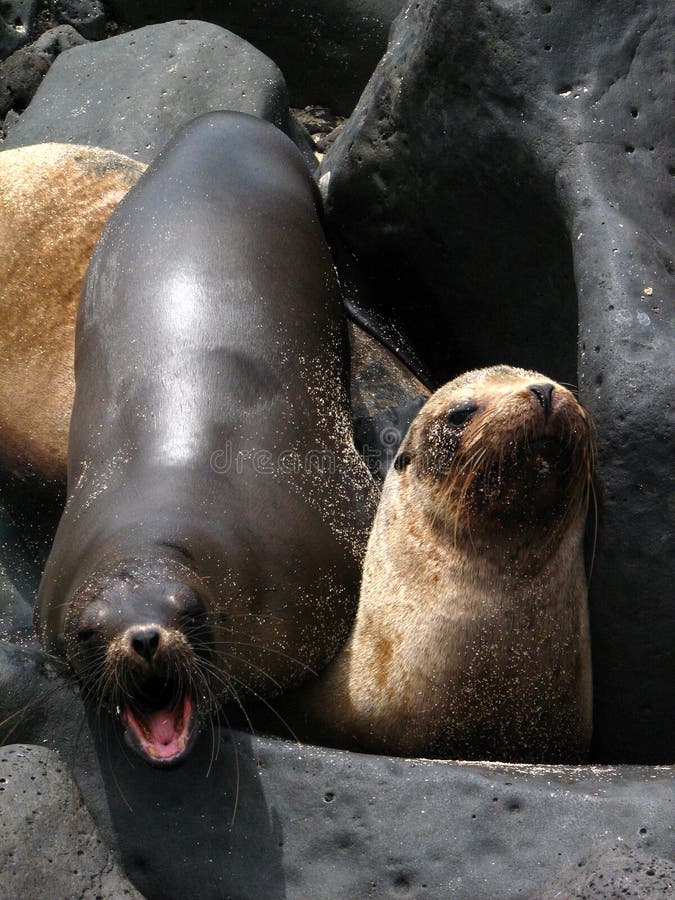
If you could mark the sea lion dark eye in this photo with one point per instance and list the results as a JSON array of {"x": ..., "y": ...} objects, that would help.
[
  {"x": 401, "y": 461},
  {"x": 458, "y": 415}
]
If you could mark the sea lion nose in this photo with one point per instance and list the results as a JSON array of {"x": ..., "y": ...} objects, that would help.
[
  {"x": 145, "y": 642},
  {"x": 543, "y": 393}
]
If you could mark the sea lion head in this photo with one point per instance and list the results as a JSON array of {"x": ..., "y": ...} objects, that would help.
[
  {"x": 139, "y": 639},
  {"x": 500, "y": 450}
]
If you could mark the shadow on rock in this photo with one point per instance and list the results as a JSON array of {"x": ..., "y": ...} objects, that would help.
[
  {"x": 204, "y": 816},
  {"x": 209, "y": 815}
]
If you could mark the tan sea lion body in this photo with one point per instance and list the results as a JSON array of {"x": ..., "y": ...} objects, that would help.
[
  {"x": 54, "y": 201},
  {"x": 471, "y": 638}
]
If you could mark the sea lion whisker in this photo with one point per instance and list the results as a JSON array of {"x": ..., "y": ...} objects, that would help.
[
  {"x": 118, "y": 787},
  {"x": 213, "y": 757},
  {"x": 91, "y": 671},
  {"x": 25, "y": 708},
  {"x": 235, "y": 750},
  {"x": 226, "y": 681},
  {"x": 237, "y": 786},
  {"x": 220, "y": 678},
  {"x": 269, "y": 706},
  {"x": 472, "y": 464},
  {"x": 252, "y": 665},
  {"x": 216, "y": 727},
  {"x": 99, "y": 694},
  {"x": 263, "y": 648},
  {"x": 232, "y": 692},
  {"x": 594, "y": 498},
  {"x": 74, "y": 756},
  {"x": 199, "y": 677}
]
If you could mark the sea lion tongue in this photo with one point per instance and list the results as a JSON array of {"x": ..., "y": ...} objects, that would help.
[
  {"x": 164, "y": 729},
  {"x": 161, "y": 734}
]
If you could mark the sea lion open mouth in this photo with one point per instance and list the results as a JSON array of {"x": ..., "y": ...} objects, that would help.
[{"x": 160, "y": 724}]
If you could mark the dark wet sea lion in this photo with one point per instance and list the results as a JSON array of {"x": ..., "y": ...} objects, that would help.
[
  {"x": 54, "y": 201},
  {"x": 217, "y": 510},
  {"x": 471, "y": 638}
]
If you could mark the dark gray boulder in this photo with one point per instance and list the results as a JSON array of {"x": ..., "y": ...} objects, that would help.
[
  {"x": 49, "y": 845},
  {"x": 57, "y": 40},
  {"x": 326, "y": 49},
  {"x": 503, "y": 184},
  {"x": 17, "y": 22},
  {"x": 86, "y": 16},
  {"x": 20, "y": 77},
  {"x": 21, "y": 73},
  {"x": 311, "y": 822},
  {"x": 132, "y": 92},
  {"x": 254, "y": 816}
]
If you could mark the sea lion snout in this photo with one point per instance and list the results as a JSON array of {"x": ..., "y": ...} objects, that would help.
[
  {"x": 544, "y": 394},
  {"x": 150, "y": 649},
  {"x": 139, "y": 640},
  {"x": 145, "y": 641},
  {"x": 142, "y": 603}
]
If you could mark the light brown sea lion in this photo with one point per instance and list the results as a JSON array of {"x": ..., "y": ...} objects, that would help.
[
  {"x": 54, "y": 201},
  {"x": 471, "y": 638}
]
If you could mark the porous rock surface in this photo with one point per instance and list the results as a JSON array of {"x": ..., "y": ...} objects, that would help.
[
  {"x": 49, "y": 845},
  {"x": 22, "y": 72},
  {"x": 17, "y": 21},
  {"x": 20, "y": 77},
  {"x": 614, "y": 872},
  {"x": 86, "y": 16},
  {"x": 326, "y": 49},
  {"x": 504, "y": 185},
  {"x": 254, "y": 816},
  {"x": 164, "y": 76}
]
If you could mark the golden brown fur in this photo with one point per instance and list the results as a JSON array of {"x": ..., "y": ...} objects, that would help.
[
  {"x": 471, "y": 638},
  {"x": 54, "y": 201}
]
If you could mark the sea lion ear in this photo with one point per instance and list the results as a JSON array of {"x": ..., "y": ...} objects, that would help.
[{"x": 408, "y": 415}]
